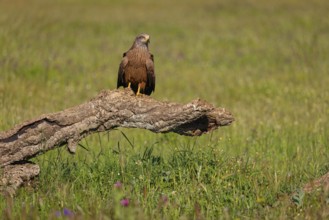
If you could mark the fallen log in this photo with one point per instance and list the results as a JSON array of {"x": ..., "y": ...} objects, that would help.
[{"x": 108, "y": 110}]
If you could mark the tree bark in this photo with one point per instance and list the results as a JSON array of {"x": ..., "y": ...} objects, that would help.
[{"x": 109, "y": 110}]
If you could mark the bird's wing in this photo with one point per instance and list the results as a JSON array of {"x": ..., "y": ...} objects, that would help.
[
  {"x": 150, "y": 73},
  {"x": 121, "y": 71}
]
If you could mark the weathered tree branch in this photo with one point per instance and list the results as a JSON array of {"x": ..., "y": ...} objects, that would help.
[{"x": 110, "y": 109}]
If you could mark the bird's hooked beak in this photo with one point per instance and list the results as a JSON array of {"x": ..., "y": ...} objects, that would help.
[
  {"x": 147, "y": 39},
  {"x": 143, "y": 38}
]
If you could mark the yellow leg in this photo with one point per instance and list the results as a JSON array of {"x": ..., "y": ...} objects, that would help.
[
  {"x": 129, "y": 85},
  {"x": 138, "y": 90}
]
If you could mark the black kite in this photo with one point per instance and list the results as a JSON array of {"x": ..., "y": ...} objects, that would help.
[{"x": 136, "y": 70}]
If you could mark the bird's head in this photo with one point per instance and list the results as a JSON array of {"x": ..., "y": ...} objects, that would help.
[{"x": 142, "y": 40}]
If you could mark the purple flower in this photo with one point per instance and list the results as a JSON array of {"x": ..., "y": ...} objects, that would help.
[
  {"x": 124, "y": 202},
  {"x": 67, "y": 212},
  {"x": 118, "y": 185},
  {"x": 164, "y": 199}
]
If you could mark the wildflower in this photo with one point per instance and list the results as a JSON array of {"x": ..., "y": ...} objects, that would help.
[
  {"x": 164, "y": 199},
  {"x": 118, "y": 185},
  {"x": 124, "y": 202},
  {"x": 67, "y": 212}
]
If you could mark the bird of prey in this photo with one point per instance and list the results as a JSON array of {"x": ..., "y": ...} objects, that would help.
[{"x": 136, "y": 70}]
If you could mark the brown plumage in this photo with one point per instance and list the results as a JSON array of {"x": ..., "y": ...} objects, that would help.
[{"x": 136, "y": 69}]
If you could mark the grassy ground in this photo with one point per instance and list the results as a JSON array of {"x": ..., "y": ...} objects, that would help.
[{"x": 265, "y": 62}]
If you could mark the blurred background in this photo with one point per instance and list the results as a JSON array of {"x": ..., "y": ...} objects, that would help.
[{"x": 242, "y": 55}]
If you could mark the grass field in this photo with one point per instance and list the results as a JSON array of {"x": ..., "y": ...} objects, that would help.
[{"x": 266, "y": 62}]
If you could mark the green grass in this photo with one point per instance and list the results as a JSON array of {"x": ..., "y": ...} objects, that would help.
[{"x": 267, "y": 62}]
